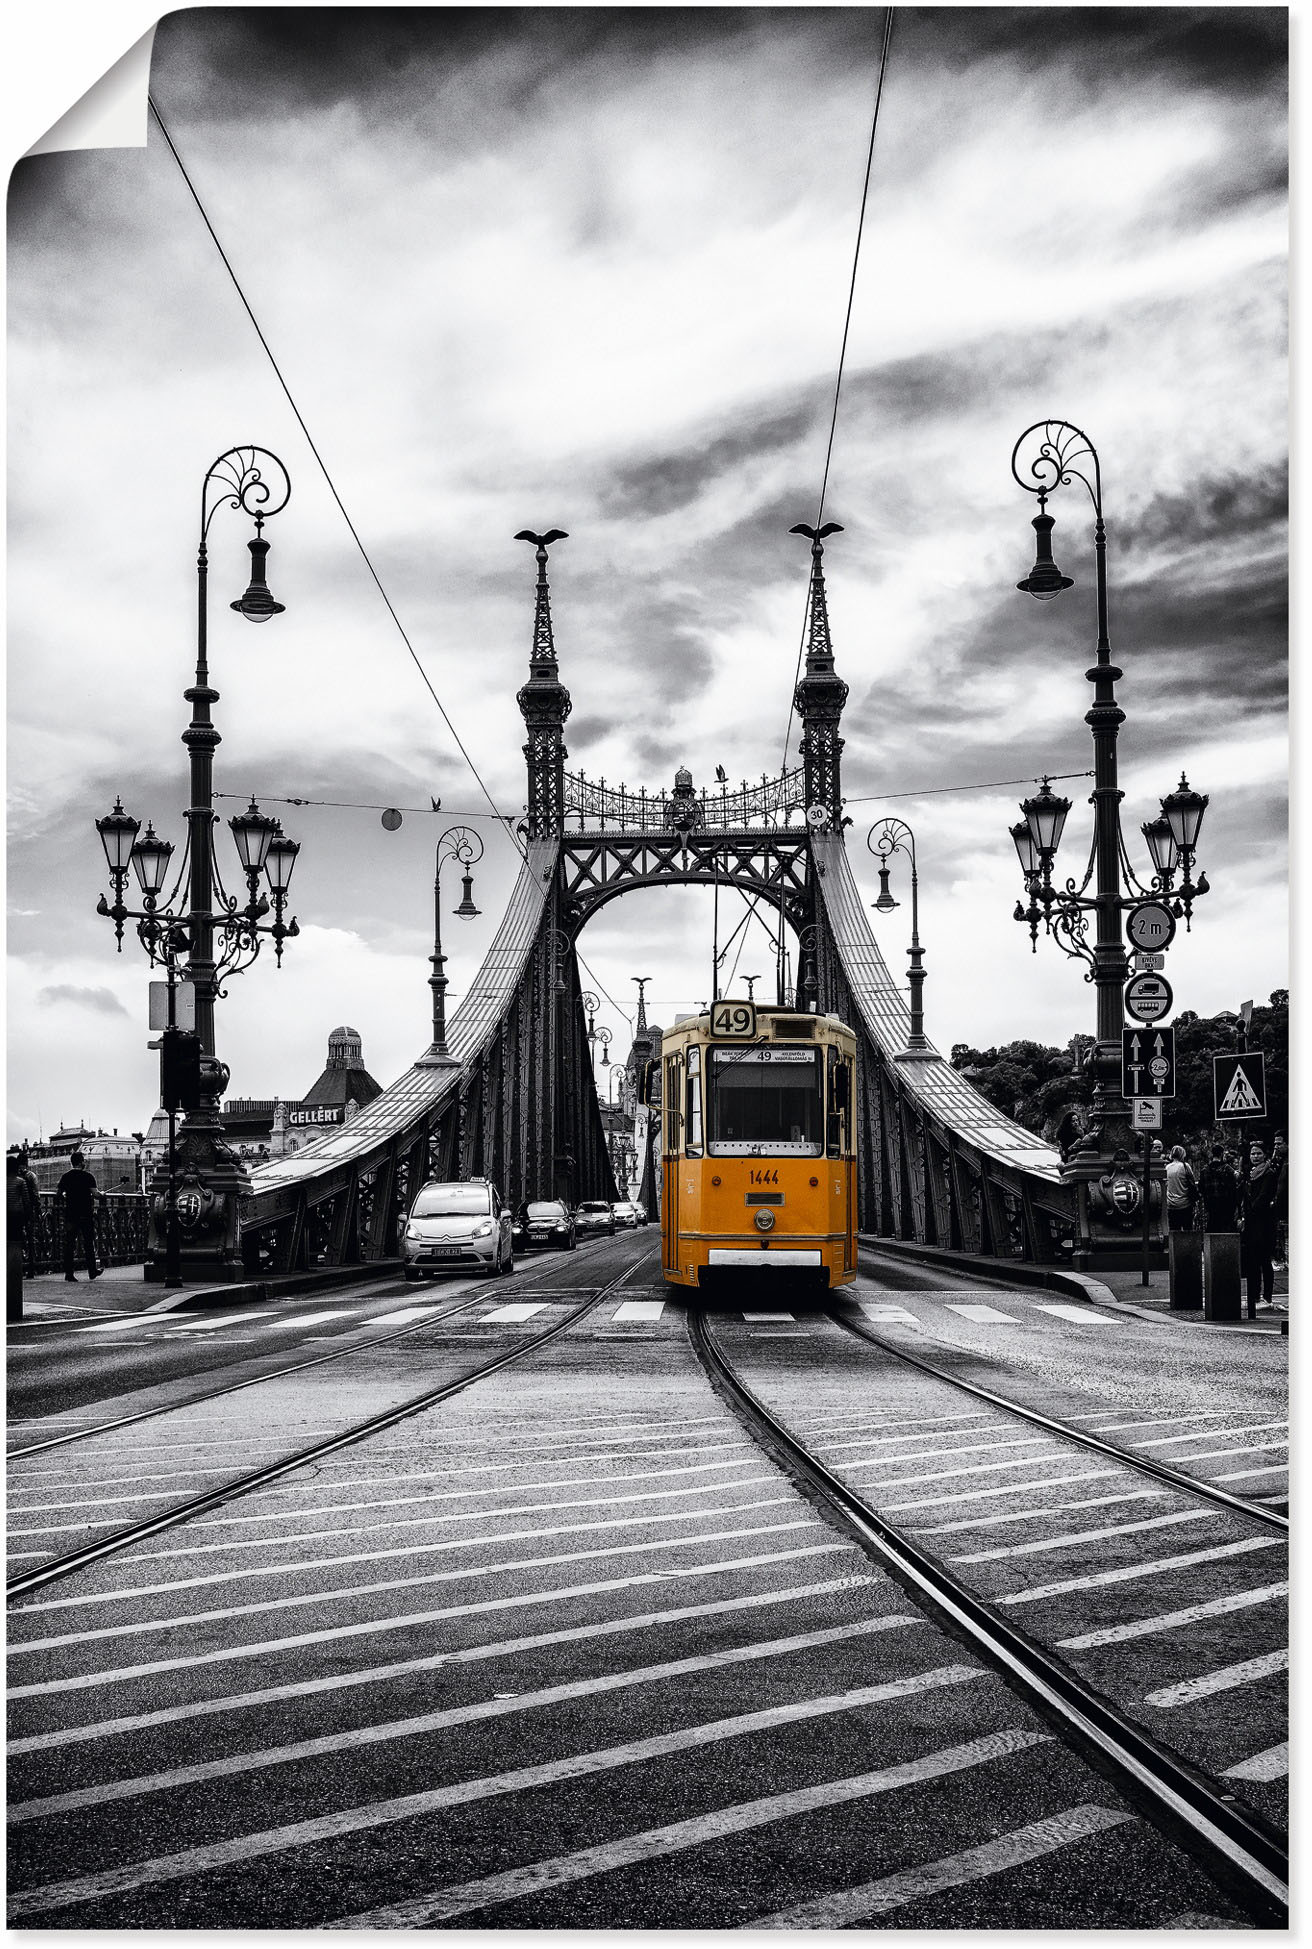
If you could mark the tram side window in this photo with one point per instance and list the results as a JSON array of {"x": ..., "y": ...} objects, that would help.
[
  {"x": 838, "y": 1132},
  {"x": 693, "y": 1145},
  {"x": 673, "y": 1119}
]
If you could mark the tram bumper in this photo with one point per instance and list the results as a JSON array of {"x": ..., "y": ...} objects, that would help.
[{"x": 784, "y": 1258}]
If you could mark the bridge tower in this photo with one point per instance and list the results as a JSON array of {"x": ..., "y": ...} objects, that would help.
[
  {"x": 820, "y": 697},
  {"x": 545, "y": 704}
]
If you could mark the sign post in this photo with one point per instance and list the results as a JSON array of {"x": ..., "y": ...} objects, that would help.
[{"x": 1147, "y": 1076}]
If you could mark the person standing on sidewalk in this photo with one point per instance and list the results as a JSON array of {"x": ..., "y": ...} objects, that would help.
[
  {"x": 16, "y": 1223},
  {"x": 1259, "y": 1228},
  {"x": 1280, "y": 1165},
  {"x": 1220, "y": 1194},
  {"x": 1181, "y": 1192},
  {"x": 75, "y": 1199}
]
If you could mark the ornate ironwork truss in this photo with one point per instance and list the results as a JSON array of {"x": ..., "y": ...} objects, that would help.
[
  {"x": 772, "y": 802},
  {"x": 597, "y": 867}
]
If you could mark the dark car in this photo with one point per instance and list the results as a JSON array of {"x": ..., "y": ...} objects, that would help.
[
  {"x": 594, "y": 1215},
  {"x": 545, "y": 1221}
]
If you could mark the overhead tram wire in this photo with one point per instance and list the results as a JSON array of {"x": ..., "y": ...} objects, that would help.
[
  {"x": 842, "y": 353},
  {"x": 332, "y": 488}
]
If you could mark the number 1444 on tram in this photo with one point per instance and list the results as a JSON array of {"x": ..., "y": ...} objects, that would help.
[{"x": 758, "y": 1120}]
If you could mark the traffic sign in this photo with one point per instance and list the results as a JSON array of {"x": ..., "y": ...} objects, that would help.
[
  {"x": 1148, "y": 997},
  {"x": 1239, "y": 1086},
  {"x": 1147, "y": 1062},
  {"x": 1146, "y": 963},
  {"x": 1146, "y": 1112},
  {"x": 184, "y": 1004},
  {"x": 1150, "y": 927}
]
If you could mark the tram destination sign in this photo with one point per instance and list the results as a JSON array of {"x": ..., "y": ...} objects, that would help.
[
  {"x": 1239, "y": 1086},
  {"x": 1148, "y": 997},
  {"x": 1150, "y": 927},
  {"x": 1147, "y": 1063}
]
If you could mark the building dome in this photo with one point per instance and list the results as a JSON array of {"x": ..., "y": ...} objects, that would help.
[{"x": 345, "y": 1050}]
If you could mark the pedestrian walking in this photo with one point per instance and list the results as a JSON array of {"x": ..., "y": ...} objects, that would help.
[
  {"x": 1181, "y": 1191},
  {"x": 32, "y": 1227},
  {"x": 1258, "y": 1215},
  {"x": 1219, "y": 1189},
  {"x": 16, "y": 1220},
  {"x": 75, "y": 1200},
  {"x": 1280, "y": 1165}
]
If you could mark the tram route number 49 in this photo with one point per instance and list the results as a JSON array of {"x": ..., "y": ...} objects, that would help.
[{"x": 735, "y": 1019}]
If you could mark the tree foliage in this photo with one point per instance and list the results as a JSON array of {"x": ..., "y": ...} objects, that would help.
[{"x": 1049, "y": 1090}]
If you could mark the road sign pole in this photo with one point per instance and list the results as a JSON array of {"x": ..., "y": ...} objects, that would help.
[{"x": 1147, "y": 1186}]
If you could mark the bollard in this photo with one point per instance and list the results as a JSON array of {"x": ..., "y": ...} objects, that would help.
[
  {"x": 1186, "y": 1253},
  {"x": 1222, "y": 1290}
]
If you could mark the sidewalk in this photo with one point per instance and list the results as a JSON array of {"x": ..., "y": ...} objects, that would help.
[
  {"x": 123, "y": 1289},
  {"x": 1155, "y": 1297}
]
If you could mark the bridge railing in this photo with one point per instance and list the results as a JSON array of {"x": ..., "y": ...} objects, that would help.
[{"x": 615, "y": 808}]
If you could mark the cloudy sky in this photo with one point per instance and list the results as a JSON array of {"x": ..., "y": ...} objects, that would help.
[{"x": 588, "y": 269}]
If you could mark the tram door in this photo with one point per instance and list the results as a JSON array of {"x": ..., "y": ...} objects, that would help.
[{"x": 670, "y": 1128}]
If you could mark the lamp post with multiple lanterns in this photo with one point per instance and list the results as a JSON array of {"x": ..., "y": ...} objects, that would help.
[
  {"x": 457, "y": 843},
  {"x": 184, "y": 922},
  {"x": 1048, "y": 455}
]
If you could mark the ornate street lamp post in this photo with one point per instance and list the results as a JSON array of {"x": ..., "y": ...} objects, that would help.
[
  {"x": 1048, "y": 455},
  {"x": 466, "y": 848},
  {"x": 603, "y": 1037},
  {"x": 254, "y": 481},
  {"x": 883, "y": 840}
]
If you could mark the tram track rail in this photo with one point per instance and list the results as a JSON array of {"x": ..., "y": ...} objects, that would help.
[
  {"x": 1145, "y": 1464},
  {"x": 56, "y": 1569},
  {"x": 251, "y": 1380},
  {"x": 1241, "y": 1851}
]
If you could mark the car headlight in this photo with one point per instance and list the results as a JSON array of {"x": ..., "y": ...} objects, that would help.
[
  {"x": 413, "y": 1231},
  {"x": 483, "y": 1229}
]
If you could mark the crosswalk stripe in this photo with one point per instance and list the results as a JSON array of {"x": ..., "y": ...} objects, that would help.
[
  {"x": 984, "y": 1315},
  {"x": 354, "y": 1820},
  {"x": 114, "y": 1326},
  {"x": 209, "y": 1326},
  {"x": 1204, "y": 1434},
  {"x": 230, "y": 1703},
  {"x": 383, "y": 1732},
  {"x": 1051, "y": 1509},
  {"x": 1224, "y": 1680},
  {"x": 1037, "y": 1547},
  {"x": 309, "y": 1319},
  {"x": 639, "y": 1309},
  {"x": 1007, "y": 1489},
  {"x": 1083, "y": 1315},
  {"x": 769, "y": 1316},
  {"x": 515, "y": 1883},
  {"x": 849, "y": 1905},
  {"x": 1172, "y": 1620},
  {"x": 518, "y": 1310},
  {"x": 876, "y": 1312},
  {"x": 1128, "y": 1572},
  {"x": 401, "y": 1317},
  {"x": 1273, "y": 1764}
]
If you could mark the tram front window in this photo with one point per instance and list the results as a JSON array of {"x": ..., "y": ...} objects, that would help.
[{"x": 766, "y": 1099}]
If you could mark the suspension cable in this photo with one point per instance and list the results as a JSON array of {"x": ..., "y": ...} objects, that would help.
[{"x": 323, "y": 468}]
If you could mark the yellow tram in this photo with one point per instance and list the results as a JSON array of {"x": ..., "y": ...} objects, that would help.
[{"x": 758, "y": 1124}]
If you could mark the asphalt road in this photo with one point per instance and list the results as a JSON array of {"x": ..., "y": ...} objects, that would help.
[{"x": 569, "y": 1651}]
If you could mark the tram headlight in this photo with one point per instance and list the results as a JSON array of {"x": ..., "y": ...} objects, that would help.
[{"x": 765, "y": 1221}]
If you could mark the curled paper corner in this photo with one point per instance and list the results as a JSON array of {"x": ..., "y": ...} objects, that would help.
[{"x": 113, "y": 113}]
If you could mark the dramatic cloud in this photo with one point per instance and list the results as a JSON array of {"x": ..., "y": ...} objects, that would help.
[
  {"x": 588, "y": 268},
  {"x": 101, "y": 1000}
]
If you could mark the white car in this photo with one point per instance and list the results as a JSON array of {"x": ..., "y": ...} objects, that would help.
[
  {"x": 456, "y": 1227},
  {"x": 593, "y": 1215},
  {"x": 626, "y": 1214}
]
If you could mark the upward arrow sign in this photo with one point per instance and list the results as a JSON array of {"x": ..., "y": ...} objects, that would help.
[
  {"x": 1158, "y": 1044},
  {"x": 1135, "y": 1046}
]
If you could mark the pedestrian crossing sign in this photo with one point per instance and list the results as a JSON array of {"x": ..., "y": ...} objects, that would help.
[{"x": 1239, "y": 1086}]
